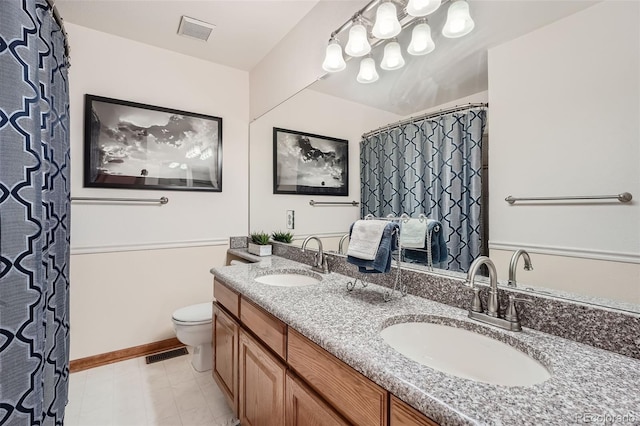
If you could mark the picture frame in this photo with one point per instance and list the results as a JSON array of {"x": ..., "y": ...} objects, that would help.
[
  {"x": 309, "y": 164},
  {"x": 130, "y": 145}
]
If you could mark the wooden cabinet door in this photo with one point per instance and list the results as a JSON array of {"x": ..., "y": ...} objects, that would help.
[
  {"x": 225, "y": 356},
  {"x": 355, "y": 397},
  {"x": 404, "y": 415},
  {"x": 304, "y": 408},
  {"x": 262, "y": 379}
]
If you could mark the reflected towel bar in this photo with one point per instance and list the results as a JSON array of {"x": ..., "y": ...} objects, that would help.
[
  {"x": 161, "y": 200},
  {"x": 625, "y": 197},
  {"x": 334, "y": 203}
]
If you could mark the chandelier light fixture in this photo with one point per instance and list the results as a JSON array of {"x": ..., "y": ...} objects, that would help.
[{"x": 391, "y": 18}]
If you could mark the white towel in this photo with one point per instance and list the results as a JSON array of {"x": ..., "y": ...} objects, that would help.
[
  {"x": 413, "y": 233},
  {"x": 365, "y": 238}
]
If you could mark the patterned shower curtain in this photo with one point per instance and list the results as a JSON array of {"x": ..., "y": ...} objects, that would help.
[
  {"x": 431, "y": 166},
  {"x": 34, "y": 215}
]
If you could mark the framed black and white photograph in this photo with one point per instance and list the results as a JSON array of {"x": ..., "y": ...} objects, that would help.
[
  {"x": 138, "y": 146},
  {"x": 304, "y": 163}
]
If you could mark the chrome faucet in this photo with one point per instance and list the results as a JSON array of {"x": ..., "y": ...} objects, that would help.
[
  {"x": 492, "y": 303},
  {"x": 342, "y": 240},
  {"x": 514, "y": 264},
  {"x": 320, "y": 264},
  {"x": 492, "y": 314}
]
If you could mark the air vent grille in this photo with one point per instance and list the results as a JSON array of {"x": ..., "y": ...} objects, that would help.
[
  {"x": 166, "y": 355},
  {"x": 193, "y": 28}
]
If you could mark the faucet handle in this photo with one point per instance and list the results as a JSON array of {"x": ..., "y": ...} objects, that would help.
[
  {"x": 511, "y": 314},
  {"x": 476, "y": 305}
]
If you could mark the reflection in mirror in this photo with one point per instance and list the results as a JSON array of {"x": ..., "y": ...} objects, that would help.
[{"x": 563, "y": 121}]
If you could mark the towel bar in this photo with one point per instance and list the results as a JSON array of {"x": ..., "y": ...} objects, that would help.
[
  {"x": 161, "y": 200},
  {"x": 625, "y": 197},
  {"x": 335, "y": 203}
]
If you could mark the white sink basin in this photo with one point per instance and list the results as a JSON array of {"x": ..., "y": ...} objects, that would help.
[
  {"x": 465, "y": 354},
  {"x": 288, "y": 279}
]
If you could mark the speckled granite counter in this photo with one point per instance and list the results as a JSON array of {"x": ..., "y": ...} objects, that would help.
[{"x": 588, "y": 385}]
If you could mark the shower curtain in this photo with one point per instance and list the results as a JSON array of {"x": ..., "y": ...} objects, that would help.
[
  {"x": 34, "y": 215},
  {"x": 431, "y": 166}
]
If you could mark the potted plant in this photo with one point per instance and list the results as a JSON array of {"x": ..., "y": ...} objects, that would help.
[
  {"x": 282, "y": 236},
  {"x": 259, "y": 244}
]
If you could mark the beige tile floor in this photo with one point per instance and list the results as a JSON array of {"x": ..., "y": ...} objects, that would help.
[{"x": 133, "y": 393}]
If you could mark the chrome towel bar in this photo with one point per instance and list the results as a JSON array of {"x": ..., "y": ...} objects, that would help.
[
  {"x": 334, "y": 203},
  {"x": 625, "y": 197},
  {"x": 161, "y": 200}
]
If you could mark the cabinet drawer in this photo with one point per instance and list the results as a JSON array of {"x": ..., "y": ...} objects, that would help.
[
  {"x": 227, "y": 298},
  {"x": 404, "y": 415},
  {"x": 268, "y": 328},
  {"x": 354, "y": 396}
]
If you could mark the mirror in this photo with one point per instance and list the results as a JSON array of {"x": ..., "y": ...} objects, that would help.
[{"x": 562, "y": 121}]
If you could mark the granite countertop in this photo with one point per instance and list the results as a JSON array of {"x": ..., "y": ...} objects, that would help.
[{"x": 588, "y": 385}]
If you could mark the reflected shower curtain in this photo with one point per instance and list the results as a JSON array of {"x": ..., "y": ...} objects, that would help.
[
  {"x": 34, "y": 215},
  {"x": 431, "y": 166}
]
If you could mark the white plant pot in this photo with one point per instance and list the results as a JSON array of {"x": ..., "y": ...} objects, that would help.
[{"x": 259, "y": 250}]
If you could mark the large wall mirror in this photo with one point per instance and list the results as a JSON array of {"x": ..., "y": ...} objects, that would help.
[{"x": 563, "y": 120}]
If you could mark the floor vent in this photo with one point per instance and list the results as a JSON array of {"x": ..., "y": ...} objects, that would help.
[{"x": 167, "y": 355}]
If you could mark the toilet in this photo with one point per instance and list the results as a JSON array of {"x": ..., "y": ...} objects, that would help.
[{"x": 193, "y": 328}]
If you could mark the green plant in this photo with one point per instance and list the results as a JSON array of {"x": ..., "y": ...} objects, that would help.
[
  {"x": 283, "y": 237},
  {"x": 260, "y": 238}
]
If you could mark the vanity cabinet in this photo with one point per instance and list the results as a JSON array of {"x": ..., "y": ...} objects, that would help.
[
  {"x": 401, "y": 414},
  {"x": 273, "y": 375},
  {"x": 262, "y": 382},
  {"x": 303, "y": 407}
]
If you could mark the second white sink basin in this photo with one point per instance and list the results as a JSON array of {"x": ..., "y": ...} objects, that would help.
[
  {"x": 465, "y": 354},
  {"x": 288, "y": 279}
]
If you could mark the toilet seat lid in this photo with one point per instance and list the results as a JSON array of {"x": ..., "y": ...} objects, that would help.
[{"x": 202, "y": 312}]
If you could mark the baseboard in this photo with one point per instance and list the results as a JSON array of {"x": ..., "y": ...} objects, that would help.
[{"x": 123, "y": 354}]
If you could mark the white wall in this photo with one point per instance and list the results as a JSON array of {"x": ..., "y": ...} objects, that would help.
[
  {"x": 131, "y": 266},
  {"x": 317, "y": 113},
  {"x": 565, "y": 110},
  {"x": 296, "y": 61}
]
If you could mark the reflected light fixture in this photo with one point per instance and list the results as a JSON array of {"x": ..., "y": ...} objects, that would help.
[
  {"x": 392, "y": 59},
  {"x": 368, "y": 72},
  {"x": 387, "y": 25},
  {"x": 422, "y": 7},
  {"x": 421, "y": 41},
  {"x": 391, "y": 17},
  {"x": 459, "y": 22},
  {"x": 358, "y": 44},
  {"x": 333, "y": 60}
]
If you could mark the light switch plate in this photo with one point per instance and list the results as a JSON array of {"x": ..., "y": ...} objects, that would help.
[{"x": 290, "y": 219}]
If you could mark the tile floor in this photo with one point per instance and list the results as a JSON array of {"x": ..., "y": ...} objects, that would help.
[{"x": 133, "y": 393}]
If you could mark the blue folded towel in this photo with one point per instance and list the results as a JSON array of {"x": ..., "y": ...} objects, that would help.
[
  {"x": 382, "y": 261},
  {"x": 439, "y": 250}
]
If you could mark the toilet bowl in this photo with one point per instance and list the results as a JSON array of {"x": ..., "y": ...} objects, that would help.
[{"x": 193, "y": 328}]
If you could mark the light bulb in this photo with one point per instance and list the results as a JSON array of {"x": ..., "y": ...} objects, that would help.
[
  {"x": 368, "y": 73},
  {"x": 459, "y": 22},
  {"x": 421, "y": 42},
  {"x": 387, "y": 24},
  {"x": 358, "y": 44},
  {"x": 333, "y": 60},
  {"x": 422, "y": 7},
  {"x": 392, "y": 59}
]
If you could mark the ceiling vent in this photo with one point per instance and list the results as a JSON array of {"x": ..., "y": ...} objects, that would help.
[{"x": 193, "y": 28}]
